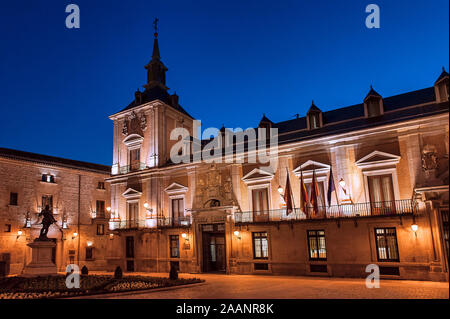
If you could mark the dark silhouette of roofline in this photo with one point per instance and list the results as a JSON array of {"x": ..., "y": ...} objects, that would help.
[{"x": 52, "y": 160}]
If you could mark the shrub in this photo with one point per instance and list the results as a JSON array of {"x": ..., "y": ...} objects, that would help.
[
  {"x": 118, "y": 273},
  {"x": 85, "y": 270}
]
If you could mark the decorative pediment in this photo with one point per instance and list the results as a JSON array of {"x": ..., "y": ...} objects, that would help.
[
  {"x": 131, "y": 193},
  {"x": 175, "y": 188},
  {"x": 309, "y": 166},
  {"x": 257, "y": 175},
  {"x": 133, "y": 140},
  {"x": 377, "y": 159}
]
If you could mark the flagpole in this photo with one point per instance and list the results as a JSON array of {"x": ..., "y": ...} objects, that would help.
[{"x": 292, "y": 195}]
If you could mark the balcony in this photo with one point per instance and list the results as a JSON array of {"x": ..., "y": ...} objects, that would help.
[
  {"x": 41, "y": 208},
  {"x": 160, "y": 222},
  {"x": 99, "y": 215},
  {"x": 132, "y": 168},
  {"x": 391, "y": 208},
  {"x": 174, "y": 222}
]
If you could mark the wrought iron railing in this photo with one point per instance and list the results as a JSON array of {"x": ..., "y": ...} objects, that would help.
[
  {"x": 132, "y": 168},
  {"x": 53, "y": 209},
  {"x": 398, "y": 207},
  {"x": 159, "y": 222},
  {"x": 174, "y": 222}
]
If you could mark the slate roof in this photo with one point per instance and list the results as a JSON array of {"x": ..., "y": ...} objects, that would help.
[
  {"x": 52, "y": 160},
  {"x": 157, "y": 93}
]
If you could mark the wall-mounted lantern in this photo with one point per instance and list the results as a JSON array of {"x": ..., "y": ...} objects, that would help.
[
  {"x": 74, "y": 235},
  {"x": 19, "y": 233},
  {"x": 237, "y": 234},
  {"x": 415, "y": 228}
]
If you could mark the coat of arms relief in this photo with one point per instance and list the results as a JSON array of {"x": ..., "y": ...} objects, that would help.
[
  {"x": 134, "y": 124},
  {"x": 214, "y": 189}
]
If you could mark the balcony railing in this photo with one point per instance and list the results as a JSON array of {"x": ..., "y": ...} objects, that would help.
[
  {"x": 41, "y": 208},
  {"x": 174, "y": 222},
  {"x": 131, "y": 168},
  {"x": 160, "y": 222},
  {"x": 398, "y": 207}
]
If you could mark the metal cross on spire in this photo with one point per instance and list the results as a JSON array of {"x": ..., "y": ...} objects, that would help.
[{"x": 155, "y": 24}]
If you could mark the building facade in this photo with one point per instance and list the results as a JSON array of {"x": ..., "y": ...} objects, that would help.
[
  {"x": 384, "y": 161},
  {"x": 77, "y": 194}
]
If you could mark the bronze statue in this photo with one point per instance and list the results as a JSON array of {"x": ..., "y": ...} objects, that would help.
[{"x": 47, "y": 220}]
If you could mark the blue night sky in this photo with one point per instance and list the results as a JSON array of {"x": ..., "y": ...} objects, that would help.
[{"x": 229, "y": 61}]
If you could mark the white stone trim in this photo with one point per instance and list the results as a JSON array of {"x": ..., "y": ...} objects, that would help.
[
  {"x": 131, "y": 193},
  {"x": 267, "y": 177},
  {"x": 175, "y": 188},
  {"x": 391, "y": 159}
]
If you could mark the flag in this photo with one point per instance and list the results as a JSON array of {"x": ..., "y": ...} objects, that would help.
[
  {"x": 288, "y": 196},
  {"x": 303, "y": 196},
  {"x": 331, "y": 187},
  {"x": 314, "y": 194}
]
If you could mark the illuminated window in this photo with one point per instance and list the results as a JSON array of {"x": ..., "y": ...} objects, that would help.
[
  {"x": 260, "y": 245},
  {"x": 314, "y": 121},
  {"x": 47, "y": 200},
  {"x": 100, "y": 229},
  {"x": 316, "y": 245},
  {"x": 100, "y": 207},
  {"x": 386, "y": 241},
  {"x": 177, "y": 210},
  {"x": 174, "y": 246},
  {"x": 48, "y": 178}
]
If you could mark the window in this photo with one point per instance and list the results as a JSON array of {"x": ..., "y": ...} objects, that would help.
[
  {"x": 13, "y": 199},
  {"x": 260, "y": 204},
  {"x": 47, "y": 200},
  {"x": 174, "y": 246},
  {"x": 100, "y": 207},
  {"x": 316, "y": 245},
  {"x": 177, "y": 210},
  {"x": 100, "y": 229},
  {"x": 89, "y": 253},
  {"x": 381, "y": 193},
  {"x": 444, "y": 213},
  {"x": 48, "y": 178},
  {"x": 101, "y": 185},
  {"x": 386, "y": 241},
  {"x": 320, "y": 196},
  {"x": 260, "y": 245},
  {"x": 314, "y": 121},
  {"x": 373, "y": 107},
  {"x": 7, "y": 228},
  {"x": 135, "y": 158},
  {"x": 132, "y": 214}
]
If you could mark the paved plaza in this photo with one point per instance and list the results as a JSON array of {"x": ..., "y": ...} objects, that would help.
[{"x": 219, "y": 286}]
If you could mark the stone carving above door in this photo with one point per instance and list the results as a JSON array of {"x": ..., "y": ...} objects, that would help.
[{"x": 214, "y": 189}]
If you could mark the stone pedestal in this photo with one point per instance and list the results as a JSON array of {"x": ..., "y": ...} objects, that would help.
[{"x": 41, "y": 263}]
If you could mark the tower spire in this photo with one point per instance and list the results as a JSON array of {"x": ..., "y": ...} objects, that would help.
[{"x": 156, "y": 70}]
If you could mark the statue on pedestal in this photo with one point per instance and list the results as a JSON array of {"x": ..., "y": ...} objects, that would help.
[{"x": 47, "y": 220}]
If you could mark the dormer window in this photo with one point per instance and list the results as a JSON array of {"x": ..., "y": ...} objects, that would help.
[
  {"x": 314, "y": 117},
  {"x": 373, "y": 104},
  {"x": 48, "y": 178},
  {"x": 265, "y": 123},
  {"x": 441, "y": 87}
]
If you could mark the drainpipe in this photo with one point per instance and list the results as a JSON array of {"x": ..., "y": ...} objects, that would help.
[{"x": 79, "y": 218}]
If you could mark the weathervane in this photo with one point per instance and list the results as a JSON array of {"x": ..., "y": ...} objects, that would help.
[{"x": 155, "y": 23}]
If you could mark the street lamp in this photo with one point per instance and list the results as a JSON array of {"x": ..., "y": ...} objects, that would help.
[{"x": 74, "y": 235}]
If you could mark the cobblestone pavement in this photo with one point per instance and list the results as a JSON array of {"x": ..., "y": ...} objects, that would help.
[{"x": 220, "y": 286}]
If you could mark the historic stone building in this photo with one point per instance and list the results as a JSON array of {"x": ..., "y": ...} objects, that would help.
[
  {"x": 387, "y": 158},
  {"x": 77, "y": 194}
]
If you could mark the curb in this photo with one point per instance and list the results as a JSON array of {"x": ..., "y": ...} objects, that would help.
[{"x": 134, "y": 292}]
